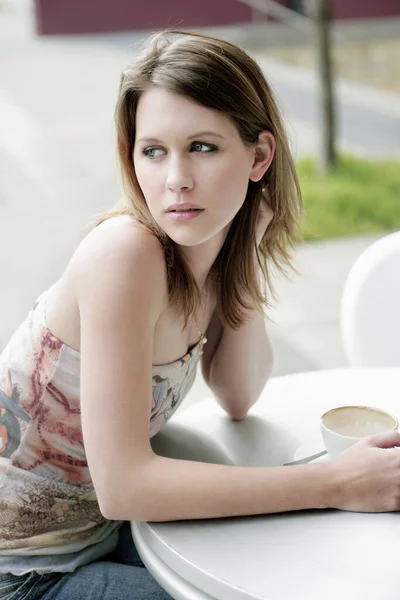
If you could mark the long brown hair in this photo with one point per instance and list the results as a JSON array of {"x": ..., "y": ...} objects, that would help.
[{"x": 221, "y": 76}]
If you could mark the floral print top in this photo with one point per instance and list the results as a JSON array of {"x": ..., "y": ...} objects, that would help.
[{"x": 47, "y": 501}]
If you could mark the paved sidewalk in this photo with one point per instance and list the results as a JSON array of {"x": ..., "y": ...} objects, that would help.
[{"x": 58, "y": 168}]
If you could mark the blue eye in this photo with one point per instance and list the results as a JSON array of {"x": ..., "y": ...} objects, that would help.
[
  {"x": 150, "y": 152},
  {"x": 196, "y": 146}
]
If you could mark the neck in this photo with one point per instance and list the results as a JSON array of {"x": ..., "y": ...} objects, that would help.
[{"x": 201, "y": 258}]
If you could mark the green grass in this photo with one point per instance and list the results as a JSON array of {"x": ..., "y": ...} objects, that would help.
[{"x": 359, "y": 196}]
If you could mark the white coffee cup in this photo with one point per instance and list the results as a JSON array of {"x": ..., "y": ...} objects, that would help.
[{"x": 344, "y": 426}]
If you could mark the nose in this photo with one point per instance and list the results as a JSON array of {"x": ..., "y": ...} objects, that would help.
[{"x": 179, "y": 177}]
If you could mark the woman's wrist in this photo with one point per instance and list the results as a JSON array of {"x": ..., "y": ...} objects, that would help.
[{"x": 321, "y": 483}]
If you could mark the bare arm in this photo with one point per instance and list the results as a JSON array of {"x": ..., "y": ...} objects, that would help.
[
  {"x": 236, "y": 364},
  {"x": 120, "y": 284}
]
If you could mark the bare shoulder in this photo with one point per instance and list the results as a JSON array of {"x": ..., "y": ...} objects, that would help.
[
  {"x": 118, "y": 261},
  {"x": 119, "y": 237},
  {"x": 115, "y": 248}
]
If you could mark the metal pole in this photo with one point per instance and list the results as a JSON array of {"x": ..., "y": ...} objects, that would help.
[{"x": 327, "y": 156}]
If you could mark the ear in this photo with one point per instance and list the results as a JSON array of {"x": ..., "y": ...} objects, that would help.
[{"x": 263, "y": 154}]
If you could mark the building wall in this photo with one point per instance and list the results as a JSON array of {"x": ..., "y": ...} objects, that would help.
[
  {"x": 89, "y": 16},
  {"x": 360, "y": 9}
]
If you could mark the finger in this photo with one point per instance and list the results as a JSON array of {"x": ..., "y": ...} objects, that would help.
[{"x": 384, "y": 440}]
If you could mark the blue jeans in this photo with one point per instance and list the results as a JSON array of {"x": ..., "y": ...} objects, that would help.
[{"x": 120, "y": 575}]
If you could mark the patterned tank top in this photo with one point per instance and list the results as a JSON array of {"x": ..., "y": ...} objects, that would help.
[{"x": 48, "y": 505}]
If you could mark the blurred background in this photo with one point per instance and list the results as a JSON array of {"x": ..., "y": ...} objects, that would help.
[{"x": 334, "y": 66}]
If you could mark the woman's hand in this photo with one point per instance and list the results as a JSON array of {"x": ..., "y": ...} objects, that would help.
[
  {"x": 368, "y": 475},
  {"x": 264, "y": 218}
]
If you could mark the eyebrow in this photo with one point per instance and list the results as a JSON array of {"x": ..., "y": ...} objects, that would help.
[{"x": 190, "y": 137}]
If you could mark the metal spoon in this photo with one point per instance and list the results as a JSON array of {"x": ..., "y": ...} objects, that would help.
[{"x": 307, "y": 459}]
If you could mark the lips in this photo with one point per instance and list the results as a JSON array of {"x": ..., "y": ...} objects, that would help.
[
  {"x": 186, "y": 207},
  {"x": 181, "y": 214}
]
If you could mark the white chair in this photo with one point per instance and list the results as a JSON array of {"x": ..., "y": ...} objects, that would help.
[{"x": 370, "y": 307}]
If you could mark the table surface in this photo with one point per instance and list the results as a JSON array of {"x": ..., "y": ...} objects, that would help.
[{"x": 306, "y": 554}]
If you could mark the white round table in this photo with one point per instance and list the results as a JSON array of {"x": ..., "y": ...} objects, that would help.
[{"x": 307, "y": 555}]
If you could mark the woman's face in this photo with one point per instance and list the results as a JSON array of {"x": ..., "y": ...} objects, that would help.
[{"x": 185, "y": 153}]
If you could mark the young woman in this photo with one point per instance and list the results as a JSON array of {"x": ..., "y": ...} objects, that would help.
[{"x": 172, "y": 277}]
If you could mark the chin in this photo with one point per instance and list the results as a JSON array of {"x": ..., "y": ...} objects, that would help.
[
  {"x": 187, "y": 239},
  {"x": 190, "y": 234}
]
